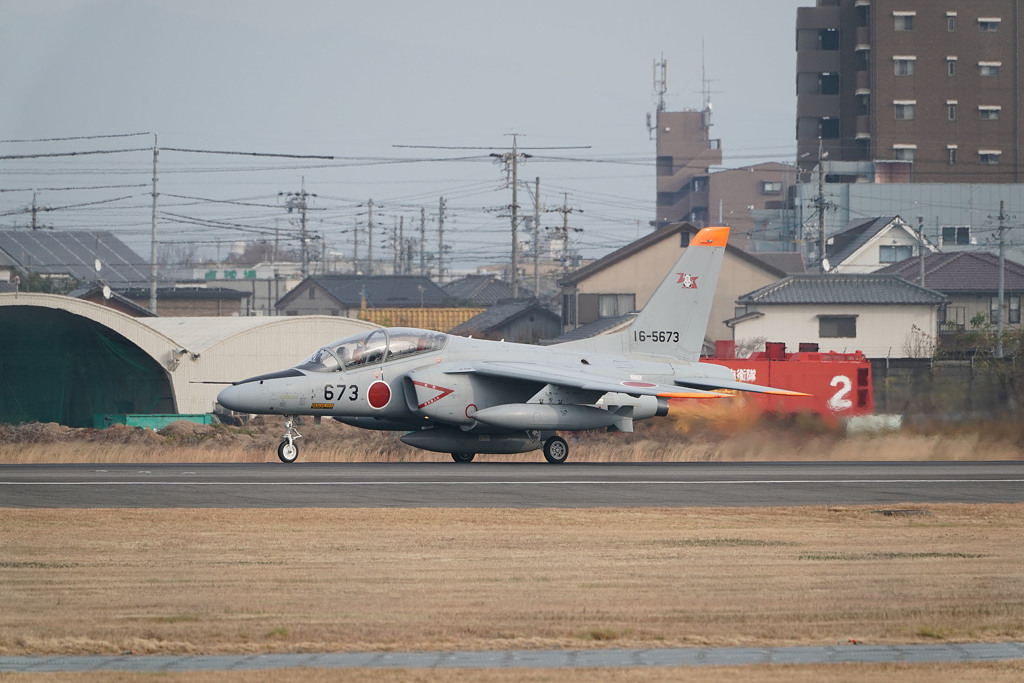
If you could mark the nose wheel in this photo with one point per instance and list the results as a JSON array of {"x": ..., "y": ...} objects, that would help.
[{"x": 288, "y": 450}]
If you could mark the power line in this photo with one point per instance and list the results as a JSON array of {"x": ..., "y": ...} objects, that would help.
[{"x": 78, "y": 137}]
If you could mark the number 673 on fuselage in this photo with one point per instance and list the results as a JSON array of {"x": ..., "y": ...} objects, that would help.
[{"x": 467, "y": 396}]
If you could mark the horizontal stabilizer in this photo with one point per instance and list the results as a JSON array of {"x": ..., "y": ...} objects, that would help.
[{"x": 712, "y": 384}]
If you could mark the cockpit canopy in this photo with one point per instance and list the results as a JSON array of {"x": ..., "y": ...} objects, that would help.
[{"x": 372, "y": 348}]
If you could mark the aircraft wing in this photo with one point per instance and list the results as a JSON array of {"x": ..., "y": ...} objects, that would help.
[
  {"x": 709, "y": 384},
  {"x": 584, "y": 381}
]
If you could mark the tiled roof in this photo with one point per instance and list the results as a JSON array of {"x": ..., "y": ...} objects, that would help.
[
  {"x": 499, "y": 314},
  {"x": 960, "y": 271},
  {"x": 439, "y": 319},
  {"x": 843, "y": 289},
  {"x": 387, "y": 291},
  {"x": 483, "y": 289},
  {"x": 789, "y": 262},
  {"x": 185, "y": 293}
]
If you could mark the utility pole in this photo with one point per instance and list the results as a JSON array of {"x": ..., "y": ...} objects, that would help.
[
  {"x": 821, "y": 206},
  {"x": 355, "y": 247},
  {"x": 1002, "y": 282},
  {"x": 35, "y": 213},
  {"x": 300, "y": 200},
  {"x": 564, "y": 230},
  {"x": 152, "y": 239},
  {"x": 440, "y": 239},
  {"x": 511, "y": 161},
  {"x": 369, "y": 238},
  {"x": 536, "y": 238},
  {"x": 423, "y": 242},
  {"x": 395, "y": 249},
  {"x": 920, "y": 247}
]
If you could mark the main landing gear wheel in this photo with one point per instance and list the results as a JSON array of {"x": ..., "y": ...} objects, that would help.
[
  {"x": 556, "y": 450},
  {"x": 288, "y": 450},
  {"x": 463, "y": 457}
]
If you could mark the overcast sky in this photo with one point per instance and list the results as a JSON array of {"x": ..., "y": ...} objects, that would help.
[{"x": 355, "y": 81}]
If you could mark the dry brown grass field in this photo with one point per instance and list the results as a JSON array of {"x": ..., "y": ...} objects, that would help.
[
  {"x": 238, "y": 581},
  {"x": 244, "y": 581},
  {"x": 690, "y": 433}
]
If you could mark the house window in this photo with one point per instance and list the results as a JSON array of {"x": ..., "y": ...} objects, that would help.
[
  {"x": 904, "y": 109},
  {"x": 988, "y": 24},
  {"x": 312, "y": 293},
  {"x": 989, "y": 157},
  {"x": 989, "y": 68},
  {"x": 950, "y": 22},
  {"x": 894, "y": 253},
  {"x": 903, "y": 66},
  {"x": 614, "y": 305},
  {"x": 951, "y": 155},
  {"x": 568, "y": 309},
  {"x": 903, "y": 21},
  {"x": 951, "y": 112},
  {"x": 953, "y": 234},
  {"x": 989, "y": 113},
  {"x": 831, "y": 326},
  {"x": 951, "y": 66},
  {"x": 771, "y": 187},
  {"x": 1012, "y": 310}
]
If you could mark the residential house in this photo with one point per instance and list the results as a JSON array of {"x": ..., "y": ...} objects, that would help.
[
  {"x": 482, "y": 290},
  {"x": 524, "y": 321},
  {"x": 884, "y": 316},
  {"x": 970, "y": 280},
  {"x": 388, "y": 300},
  {"x": 188, "y": 302},
  {"x": 866, "y": 245}
]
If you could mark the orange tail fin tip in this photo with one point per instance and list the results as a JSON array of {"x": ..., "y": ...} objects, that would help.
[{"x": 712, "y": 237}]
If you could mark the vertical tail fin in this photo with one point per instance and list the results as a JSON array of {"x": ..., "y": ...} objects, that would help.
[{"x": 675, "y": 319}]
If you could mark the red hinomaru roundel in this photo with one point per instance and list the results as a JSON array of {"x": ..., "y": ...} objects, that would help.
[{"x": 378, "y": 395}]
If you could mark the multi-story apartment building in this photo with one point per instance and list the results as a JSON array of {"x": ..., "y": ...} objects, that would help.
[
  {"x": 930, "y": 87},
  {"x": 685, "y": 152}
]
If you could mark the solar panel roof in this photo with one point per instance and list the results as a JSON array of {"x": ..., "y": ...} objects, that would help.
[{"x": 52, "y": 252}]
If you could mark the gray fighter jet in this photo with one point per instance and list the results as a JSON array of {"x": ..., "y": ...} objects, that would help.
[{"x": 466, "y": 396}]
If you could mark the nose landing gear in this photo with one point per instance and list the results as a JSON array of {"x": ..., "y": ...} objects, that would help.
[{"x": 288, "y": 450}]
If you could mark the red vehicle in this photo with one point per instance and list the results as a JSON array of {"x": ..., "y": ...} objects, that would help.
[{"x": 839, "y": 384}]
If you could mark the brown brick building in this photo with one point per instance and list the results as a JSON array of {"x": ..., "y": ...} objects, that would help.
[{"x": 933, "y": 84}]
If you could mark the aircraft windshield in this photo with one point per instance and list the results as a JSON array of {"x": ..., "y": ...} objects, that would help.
[{"x": 373, "y": 348}]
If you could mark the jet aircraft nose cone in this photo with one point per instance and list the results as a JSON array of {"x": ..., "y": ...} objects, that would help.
[{"x": 234, "y": 398}]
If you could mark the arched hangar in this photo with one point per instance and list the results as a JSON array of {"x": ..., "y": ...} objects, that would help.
[{"x": 67, "y": 360}]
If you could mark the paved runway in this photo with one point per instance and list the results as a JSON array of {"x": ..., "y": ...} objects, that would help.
[
  {"x": 532, "y": 659},
  {"x": 518, "y": 485}
]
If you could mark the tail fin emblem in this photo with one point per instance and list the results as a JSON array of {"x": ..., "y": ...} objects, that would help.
[{"x": 688, "y": 281}]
